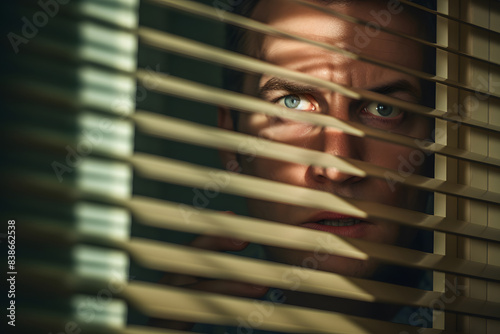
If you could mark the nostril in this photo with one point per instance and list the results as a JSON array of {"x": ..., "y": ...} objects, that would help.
[{"x": 331, "y": 174}]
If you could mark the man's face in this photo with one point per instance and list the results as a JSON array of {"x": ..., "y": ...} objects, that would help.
[{"x": 336, "y": 68}]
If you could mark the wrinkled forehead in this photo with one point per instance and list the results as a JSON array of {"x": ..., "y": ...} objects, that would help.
[
  {"x": 384, "y": 13},
  {"x": 369, "y": 39}
]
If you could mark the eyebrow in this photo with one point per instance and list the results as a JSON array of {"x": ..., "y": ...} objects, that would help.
[
  {"x": 401, "y": 85},
  {"x": 276, "y": 83}
]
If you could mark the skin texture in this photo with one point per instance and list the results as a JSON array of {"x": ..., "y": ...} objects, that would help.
[
  {"x": 337, "y": 68},
  {"x": 333, "y": 67}
]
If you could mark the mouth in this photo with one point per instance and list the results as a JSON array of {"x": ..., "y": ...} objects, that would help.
[{"x": 338, "y": 224}]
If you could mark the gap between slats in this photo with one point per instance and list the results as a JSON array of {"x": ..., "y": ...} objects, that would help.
[
  {"x": 172, "y": 171},
  {"x": 393, "y": 32},
  {"x": 207, "y": 11},
  {"x": 201, "y": 135},
  {"x": 197, "y": 262},
  {"x": 209, "y": 53},
  {"x": 219, "y": 97}
]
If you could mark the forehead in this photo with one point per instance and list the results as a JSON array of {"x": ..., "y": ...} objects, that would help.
[{"x": 323, "y": 27}]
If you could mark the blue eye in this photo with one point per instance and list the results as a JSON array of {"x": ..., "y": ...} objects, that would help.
[
  {"x": 297, "y": 102},
  {"x": 383, "y": 110},
  {"x": 291, "y": 101}
]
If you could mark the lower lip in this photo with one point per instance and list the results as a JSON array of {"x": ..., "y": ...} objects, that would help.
[{"x": 358, "y": 230}]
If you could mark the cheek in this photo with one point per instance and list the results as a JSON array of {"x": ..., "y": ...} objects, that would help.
[
  {"x": 275, "y": 212},
  {"x": 383, "y": 154},
  {"x": 291, "y": 133},
  {"x": 274, "y": 170},
  {"x": 405, "y": 161}
]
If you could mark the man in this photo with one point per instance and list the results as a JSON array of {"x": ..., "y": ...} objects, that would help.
[{"x": 299, "y": 56}]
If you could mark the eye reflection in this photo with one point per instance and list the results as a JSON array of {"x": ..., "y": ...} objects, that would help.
[
  {"x": 382, "y": 110},
  {"x": 296, "y": 102}
]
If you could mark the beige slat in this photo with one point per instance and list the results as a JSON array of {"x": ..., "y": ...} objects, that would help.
[
  {"x": 173, "y": 43},
  {"x": 35, "y": 320},
  {"x": 175, "y": 129},
  {"x": 168, "y": 170},
  {"x": 196, "y": 306},
  {"x": 150, "y": 330},
  {"x": 180, "y": 217},
  {"x": 219, "y": 97},
  {"x": 493, "y": 290},
  {"x": 224, "y": 16},
  {"x": 448, "y": 17},
  {"x": 197, "y": 262},
  {"x": 184, "y": 218},
  {"x": 189, "y": 89},
  {"x": 394, "y": 32},
  {"x": 197, "y": 134},
  {"x": 429, "y": 184},
  {"x": 166, "y": 302}
]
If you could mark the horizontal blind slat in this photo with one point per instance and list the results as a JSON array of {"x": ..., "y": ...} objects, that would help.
[
  {"x": 198, "y": 262},
  {"x": 194, "y": 49},
  {"x": 224, "y": 16},
  {"x": 166, "y": 215},
  {"x": 211, "y": 308},
  {"x": 384, "y": 28},
  {"x": 168, "y": 170},
  {"x": 448, "y": 17},
  {"x": 39, "y": 321},
  {"x": 201, "y": 135},
  {"x": 219, "y": 97},
  {"x": 180, "y": 217}
]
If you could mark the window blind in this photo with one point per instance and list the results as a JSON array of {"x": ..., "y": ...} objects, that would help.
[{"x": 108, "y": 162}]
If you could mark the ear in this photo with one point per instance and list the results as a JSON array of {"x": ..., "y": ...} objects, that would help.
[{"x": 225, "y": 121}]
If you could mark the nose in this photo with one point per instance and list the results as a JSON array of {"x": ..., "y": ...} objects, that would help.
[{"x": 339, "y": 144}]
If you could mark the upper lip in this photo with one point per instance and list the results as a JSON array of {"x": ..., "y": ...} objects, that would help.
[{"x": 327, "y": 215}]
